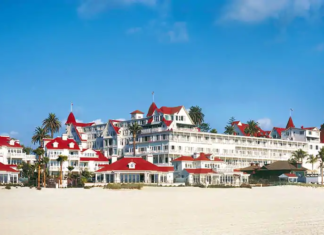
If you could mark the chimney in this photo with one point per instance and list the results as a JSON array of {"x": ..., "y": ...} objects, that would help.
[
  {"x": 64, "y": 137},
  {"x": 12, "y": 142},
  {"x": 17, "y": 141}
]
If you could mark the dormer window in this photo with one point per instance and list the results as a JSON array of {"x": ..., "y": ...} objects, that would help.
[
  {"x": 71, "y": 145},
  {"x": 12, "y": 142},
  {"x": 55, "y": 144},
  {"x": 131, "y": 165}
]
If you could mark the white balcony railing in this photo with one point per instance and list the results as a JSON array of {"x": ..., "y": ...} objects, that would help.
[{"x": 17, "y": 155}]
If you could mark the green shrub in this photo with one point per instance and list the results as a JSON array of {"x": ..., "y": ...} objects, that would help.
[
  {"x": 87, "y": 187},
  {"x": 244, "y": 185},
  {"x": 8, "y": 187},
  {"x": 123, "y": 186}
]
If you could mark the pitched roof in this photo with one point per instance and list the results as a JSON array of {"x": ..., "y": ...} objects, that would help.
[
  {"x": 5, "y": 141},
  {"x": 116, "y": 128},
  {"x": 100, "y": 157},
  {"x": 282, "y": 165},
  {"x": 290, "y": 123},
  {"x": 6, "y": 168},
  {"x": 70, "y": 119},
  {"x": 243, "y": 126},
  {"x": 290, "y": 175},
  {"x": 62, "y": 144},
  {"x": 200, "y": 171},
  {"x": 140, "y": 165},
  {"x": 183, "y": 158},
  {"x": 137, "y": 111},
  {"x": 151, "y": 110},
  {"x": 168, "y": 123},
  {"x": 279, "y": 130},
  {"x": 170, "y": 110}
]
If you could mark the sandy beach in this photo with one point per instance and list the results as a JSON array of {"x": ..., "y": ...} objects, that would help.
[{"x": 272, "y": 210}]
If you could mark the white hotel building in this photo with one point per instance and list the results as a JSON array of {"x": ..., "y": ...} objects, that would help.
[{"x": 169, "y": 133}]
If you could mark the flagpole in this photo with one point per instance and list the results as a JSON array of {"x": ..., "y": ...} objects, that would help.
[
  {"x": 153, "y": 95},
  {"x": 71, "y": 107}
]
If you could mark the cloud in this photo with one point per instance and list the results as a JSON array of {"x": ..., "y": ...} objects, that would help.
[
  {"x": 320, "y": 47},
  {"x": 120, "y": 119},
  {"x": 255, "y": 11},
  {"x": 4, "y": 134},
  {"x": 133, "y": 30},
  {"x": 97, "y": 121},
  {"x": 13, "y": 133},
  {"x": 89, "y": 8},
  {"x": 265, "y": 123},
  {"x": 78, "y": 120},
  {"x": 178, "y": 32}
]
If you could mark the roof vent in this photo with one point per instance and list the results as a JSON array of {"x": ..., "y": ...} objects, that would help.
[{"x": 131, "y": 165}]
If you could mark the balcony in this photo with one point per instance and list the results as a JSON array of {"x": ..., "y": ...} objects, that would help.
[
  {"x": 153, "y": 130},
  {"x": 16, "y": 155}
]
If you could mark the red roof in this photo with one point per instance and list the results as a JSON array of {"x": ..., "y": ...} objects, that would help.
[
  {"x": 183, "y": 158},
  {"x": 243, "y": 126},
  {"x": 168, "y": 123},
  {"x": 166, "y": 168},
  {"x": 290, "y": 123},
  {"x": 170, "y": 110},
  {"x": 100, "y": 158},
  {"x": 137, "y": 111},
  {"x": 6, "y": 168},
  {"x": 115, "y": 127},
  {"x": 62, "y": 144},
  {"x": 290, "y": 175},
  {"x": 140, "y": 165},
  {"x": 5, "y": 141},
  {"x": 79, "y": 124},
  {"x": 279, "y": 130},
  {"x": 200, "y": 171},
  {"x": 308, "y": 128},
  {"x": 151, "y": 110},
  {"x": 70, "y": 119}
]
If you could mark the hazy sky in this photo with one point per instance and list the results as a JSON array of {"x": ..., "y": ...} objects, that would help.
[{"x": 251, "y": 59}]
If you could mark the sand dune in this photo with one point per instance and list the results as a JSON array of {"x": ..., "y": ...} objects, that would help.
[{"x": 150, "y": 211}]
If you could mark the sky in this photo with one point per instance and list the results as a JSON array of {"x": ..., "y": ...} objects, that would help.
[{"x": 250, "y": 59}]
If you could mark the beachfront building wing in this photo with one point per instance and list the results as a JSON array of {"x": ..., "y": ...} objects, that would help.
[
  {"x": 168, "y": 133},
  {"x": 11, "y": 152},
  {"x": 8, "y": 174},
  {"x": 206, "y": 169},
  {"x": 134, "y": 170},
  {"x": 291, "y": 178},
  {"x": 78, "y": 157}
]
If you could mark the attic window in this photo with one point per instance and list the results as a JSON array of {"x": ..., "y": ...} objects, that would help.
[
  {"x": 12, "y": 142},
  {"x": 71, "y": 145},
  {"x": 55, "y": 144},
  {"x": 131, "y": 165}
]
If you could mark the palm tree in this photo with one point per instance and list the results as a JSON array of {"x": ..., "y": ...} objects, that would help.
[
  {"x": 321, "y": 160},
  {"x": 312, "y": 160},
  {"x": 298, "y": 156},
  {"x": 196, "y": 115},
  {"x": 39, "y": 135},
  {"x": 26, "y": 150},
  {"x": 39, "y": 152},
  {"x": 252, "y": 128},
  {"x": 70, "y": 169},
  {"x": 61, "y": 159},
  {"x": 229, "y": 129},
  {"x": 52, "y": 124},
  {"x": 45, "y": 161},
  {"x": 214, "y": 131},
  {"x": 134, "y": 130}
]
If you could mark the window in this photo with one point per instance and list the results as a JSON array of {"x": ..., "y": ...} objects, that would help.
[
  {"x": 301, "y": 132},
  {"x": 176, "y": 118},
  {"x": 310, "y": 133},
  {"x": 311, "y": 146},
  {"x": 316, "y": 147},
  {"x": 172, "y": 147},
  {"x": 166, "y": 147}
]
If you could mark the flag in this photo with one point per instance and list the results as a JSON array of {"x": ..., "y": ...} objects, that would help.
[
  {"x": 291, "y": 109},
  {"x": 153, "y": 93}
]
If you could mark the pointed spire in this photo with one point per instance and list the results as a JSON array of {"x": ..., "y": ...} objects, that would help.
[
  {"x": 151, "y": 110},
  {"x": 70, "y": 119},
  {"x": 290, "y": 123}
]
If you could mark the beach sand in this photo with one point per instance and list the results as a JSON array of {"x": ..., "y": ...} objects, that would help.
[{"x": 272, "y": 210}]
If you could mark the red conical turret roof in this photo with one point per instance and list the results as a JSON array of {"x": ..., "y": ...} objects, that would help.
[
  {"x": 290, "y": 123},
  {"x": 71, "y": 119},
  {"x": 151, "y": 110}
]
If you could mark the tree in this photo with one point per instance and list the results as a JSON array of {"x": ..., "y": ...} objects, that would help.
[
  {"x": 39, "y": 153},
  {"x": 321, "y": 160},
  {"x": 312, "y": 160},
  {"x": 27, "y": 170},
  {"x": 61, "y": 159},
  {"x": 298, "y": 156},
  {"x": 45, "y": 161},
  {"x": 204, "y": 127},
  {"x": 134, "y": 129},
  {"x": 39, "y": 135},
  {"x": 229, "y": 128},
  {"x": 52, "y": 124},
  {"x": 70, "y": 169},
  {"x": 214, "y": 131},
  {"x": 27, "y": 150},
  {"x": 252, "y": 128},
  {"x": 196, "y": 115}
]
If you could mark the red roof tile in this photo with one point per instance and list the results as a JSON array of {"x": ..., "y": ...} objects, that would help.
[
  {"x": 168, "y": 123},
  {"x": 62, "y": 144},
  {"x": 290, "y": 123},
  {"x": 70, "y": 119},
  {"x": 170, "y": 110},
  {"x": 115, "y": 127},
  {"x": 137, "y": 111},
  {"x": 183, "y": 158},
  {"x": 5, "y": 141},
  {"x": 279, "y": 130},
  {"x": 140, "y": 165},
  {"x": 200, "y": 171},
  {"x": 166, "y": 168},
  {"x": 151, "y": 110},
  {"x": 290, "y": 175},
  {"x": 100, "y": 158},
  {"x": 6, "y": 168}
]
